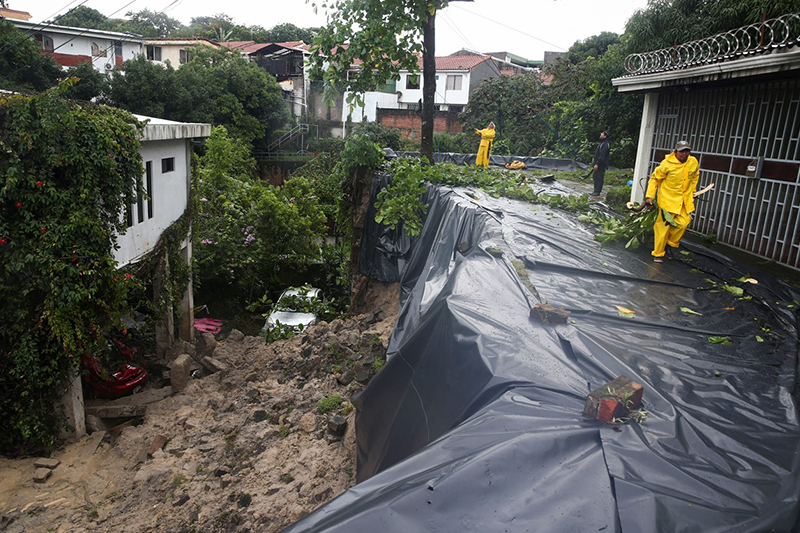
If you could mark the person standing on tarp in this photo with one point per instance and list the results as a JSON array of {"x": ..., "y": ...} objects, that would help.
[
  {"x": 675, "y": 181},
  {"x": 485, "y": 150},
  {"x": 602, "y": 155}
]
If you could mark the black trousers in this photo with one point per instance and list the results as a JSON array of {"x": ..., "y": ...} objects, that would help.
[{"x": 598, "y": 176}]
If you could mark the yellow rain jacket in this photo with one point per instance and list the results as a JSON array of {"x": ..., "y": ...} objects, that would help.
[
  {"x": 675, "y": 183},
  {"x": 485, "y": 149}
]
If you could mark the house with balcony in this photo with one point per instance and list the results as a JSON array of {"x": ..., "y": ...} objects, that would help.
[{"x": 70, "y": 46}]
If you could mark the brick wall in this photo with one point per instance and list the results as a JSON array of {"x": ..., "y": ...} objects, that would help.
[{"x": 409, "y": 122}]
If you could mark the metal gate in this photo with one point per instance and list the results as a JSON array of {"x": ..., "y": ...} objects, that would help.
[{"x": 747, "y": 139}]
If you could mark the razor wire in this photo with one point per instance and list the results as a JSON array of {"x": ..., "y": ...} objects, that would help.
[{"x": 760, "y": 38}]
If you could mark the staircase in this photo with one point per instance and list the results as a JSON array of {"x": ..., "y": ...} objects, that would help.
[{"x": 298, "y": 131}]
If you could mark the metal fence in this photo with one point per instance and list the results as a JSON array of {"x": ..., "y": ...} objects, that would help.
[{"x": 747, "y": 139}]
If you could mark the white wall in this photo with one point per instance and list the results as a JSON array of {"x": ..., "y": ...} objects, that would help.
[
  {"x": 443, "y": 96},
  {"x": 169, "y": 197},
  {"x": 372, "y": 101},
  {"x": 82, "y": 45}
]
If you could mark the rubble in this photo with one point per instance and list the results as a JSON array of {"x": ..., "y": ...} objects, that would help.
[{"x": 240, "y": 448}]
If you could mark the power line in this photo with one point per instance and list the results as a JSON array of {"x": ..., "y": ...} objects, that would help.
[
  {"x": 456, "y": 29},
  {"x": 76, "y": 36},
  {"x": 484, "y": 17},
  {"x": 37, "y": 28}
]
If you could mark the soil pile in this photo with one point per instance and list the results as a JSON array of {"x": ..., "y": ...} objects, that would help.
[{"x": 253, "y": 447}]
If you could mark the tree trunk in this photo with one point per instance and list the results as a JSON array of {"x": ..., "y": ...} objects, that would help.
[{"x": 428, "y": 85}]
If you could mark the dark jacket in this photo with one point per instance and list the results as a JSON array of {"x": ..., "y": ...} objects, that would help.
[{"x": 602, "y": 154}]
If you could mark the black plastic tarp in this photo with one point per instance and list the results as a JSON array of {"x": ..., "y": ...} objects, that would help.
[
  {"x": 475, "y": 423},
  {"x": 547, "y": 163}
]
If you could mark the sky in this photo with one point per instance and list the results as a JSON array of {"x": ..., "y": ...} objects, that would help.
[{"x": 526, "y": 28}]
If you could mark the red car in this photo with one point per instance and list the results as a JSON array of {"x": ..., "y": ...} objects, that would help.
[{"x": 113, "y": 374}]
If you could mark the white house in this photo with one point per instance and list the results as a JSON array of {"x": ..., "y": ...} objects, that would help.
[
  {"x": 70, "y": 46},
  {"x": 456, "y": 77},
  {"x": 174, "y": 51}
]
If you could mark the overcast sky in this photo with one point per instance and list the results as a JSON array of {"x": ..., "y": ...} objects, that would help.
[{"x": 523, "y": 27}]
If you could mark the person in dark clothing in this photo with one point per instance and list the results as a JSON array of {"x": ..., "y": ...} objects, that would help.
[{"x": 601, "y": 157}]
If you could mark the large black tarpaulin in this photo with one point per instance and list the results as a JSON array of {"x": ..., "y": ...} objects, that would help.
[{"x": 475, "y": 423}]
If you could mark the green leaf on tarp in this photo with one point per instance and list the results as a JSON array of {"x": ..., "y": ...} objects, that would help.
[
  {"x": 690, "y": 311},
  {"x": 719, "y": 340},
  {"x": 759, "y": 339},
  {"x": 685, "y": 252},
  {"x": 736, "y": 291}
]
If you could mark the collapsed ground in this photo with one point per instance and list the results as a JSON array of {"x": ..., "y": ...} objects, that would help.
[{"x": 250, "y": 448}]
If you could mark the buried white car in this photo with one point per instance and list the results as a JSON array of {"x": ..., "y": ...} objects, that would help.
[{"x": 290, "y": 309}]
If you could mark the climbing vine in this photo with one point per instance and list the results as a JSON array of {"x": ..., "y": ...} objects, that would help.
[{"x": 68, "y": 172}]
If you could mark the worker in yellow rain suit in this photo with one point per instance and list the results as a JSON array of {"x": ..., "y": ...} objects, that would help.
[
  {"x": 675, "y": 181},
  {"x": 487, "y": 139}
]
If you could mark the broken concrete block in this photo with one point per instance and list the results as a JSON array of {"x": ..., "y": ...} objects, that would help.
[
  {"x": 206, "y": 345},
  {"x": 214, "y": 365},
  {"x": 44, "y": 462},
  {"x": 548, "y": 314},
  {"x": 179, "y": 373},
  {"x": 614, "y": 400},
  {"x": 235, "y": 335},
  {"x": 157, "y": 444},
  {"x": 337, "y": 425},
  {"x": 41, "y": 475}
]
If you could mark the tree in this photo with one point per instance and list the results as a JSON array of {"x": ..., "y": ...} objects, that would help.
[
  {"x": 149, "y": 23},
  {"x": 367, "y": 42},
  {"x": 67, "y": 172},
  {"x": 83, "y": 17},
  {"x": 518, "y": 105},
  {"x": 594, "y": 46},
  {"x": 665, "y": 23},
  {"x": 22, "y": 67},
  {"x": 89, "y": 82},
  {"x": 144, "y": 88},
  {"x": 216, "y": 86},
  {"x": 288, "y": 32}
]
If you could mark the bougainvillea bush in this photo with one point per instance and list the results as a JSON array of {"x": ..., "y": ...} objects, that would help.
[{"x": 67, "y": 172}]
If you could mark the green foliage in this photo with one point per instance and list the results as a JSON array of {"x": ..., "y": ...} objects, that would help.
[
  {"x": 330, "y": 403},
  {"x": 666, "y": 22},
  {"x": 459, "y": 143},
  {"x": 61, "y": 205},
  {"x": 90, "y": 83},
  {"x": 247, "y": 235},
  {"x": 23, "y": 67},
  {"x": 515, "y": 104},
  {"x": 618, "y": 197},
  {"x": 215, "y": 86},
  {"x": 401, "y": 202},
  {"x": 385, "y": 34},
  {"x": 379, "y": 134},
  {"x": 359, "y": 152}
]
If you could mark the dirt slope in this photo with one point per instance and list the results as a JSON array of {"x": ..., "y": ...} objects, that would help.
[{"x": 247, "y": 448}]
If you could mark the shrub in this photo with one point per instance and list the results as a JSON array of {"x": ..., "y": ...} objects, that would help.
[{"x": 61, "y": 206}]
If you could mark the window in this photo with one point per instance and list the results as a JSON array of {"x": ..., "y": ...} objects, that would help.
[
  {"x": 412, "y": 81},
  {"x": 149, "y": 185},
  {"x": 118, "y": 48},
  {"x": 97, "y": 50},
  {"x": 45, "y": 42},
  {"x": 453, "y": 82},
  {"x": 184, "y": 56},
  {"x": 153, "y": 52},
  {"x": 167, "y": 165}
]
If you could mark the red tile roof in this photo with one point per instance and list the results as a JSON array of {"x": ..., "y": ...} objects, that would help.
[{"x": 236, "y": 45}]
